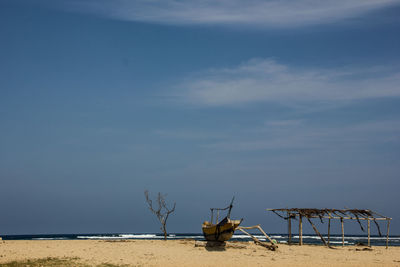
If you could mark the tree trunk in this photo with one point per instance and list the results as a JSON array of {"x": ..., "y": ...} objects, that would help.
[{"x": 165, "y": 232}]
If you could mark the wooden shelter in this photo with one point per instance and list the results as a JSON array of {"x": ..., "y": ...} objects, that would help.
[{"x": 330, "y": 214}]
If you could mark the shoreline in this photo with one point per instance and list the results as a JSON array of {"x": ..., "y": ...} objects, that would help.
[
  {"x": 335, "y": 240},
  {"x": 185, "y": 253}
]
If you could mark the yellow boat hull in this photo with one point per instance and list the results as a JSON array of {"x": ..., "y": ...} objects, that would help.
[{"x": 222, "y": 231}]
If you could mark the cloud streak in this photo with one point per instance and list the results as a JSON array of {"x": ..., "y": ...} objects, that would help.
[
  {"x": 289, "y": 135},
  {"x": 262, "y": 13},
  {"x": 183, "y": 134},
  {"x": 265, "y": 80}
]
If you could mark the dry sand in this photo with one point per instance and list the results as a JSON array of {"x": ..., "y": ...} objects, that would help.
[{"x": 185, "y": 253}]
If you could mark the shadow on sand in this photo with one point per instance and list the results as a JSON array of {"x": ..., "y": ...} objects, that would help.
[{"x": 215, "y": 246}]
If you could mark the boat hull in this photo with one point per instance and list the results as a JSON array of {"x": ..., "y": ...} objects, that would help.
[{"x": 220, "y": 232}]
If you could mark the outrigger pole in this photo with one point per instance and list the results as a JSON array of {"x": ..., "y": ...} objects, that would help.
[{"x": 255, "y": 239}]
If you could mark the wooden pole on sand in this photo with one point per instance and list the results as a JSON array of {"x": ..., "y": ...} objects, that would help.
[
  {"x": 341, "y": 221},
  {"x": 329, "y": 230},
  {"x": 369, "y": 232},
  {"x": 289, "y": 229},
  {"x": 300, "y": 230},
  {"x": 387, "y": 233}
]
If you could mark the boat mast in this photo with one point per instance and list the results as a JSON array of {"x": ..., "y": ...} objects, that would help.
[{"x": 218, "y": 209}]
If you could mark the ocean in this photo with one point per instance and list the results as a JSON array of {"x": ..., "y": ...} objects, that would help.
[{"x": 280, "y": 238}]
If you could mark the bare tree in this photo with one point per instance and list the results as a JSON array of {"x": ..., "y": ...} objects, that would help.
[{"x": 160, "y": 210}]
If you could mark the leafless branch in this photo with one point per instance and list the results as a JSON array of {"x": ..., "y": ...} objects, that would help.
[{"x": 161, "y": 210}]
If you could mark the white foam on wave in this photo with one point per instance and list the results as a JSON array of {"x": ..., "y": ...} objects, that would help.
[
  {"x": 246, "y": 237},
  {"x": 50, "y": 238},
  {"x": 137, "y": 236},
  {"x": 99, "y": 237},
  {"x": 150, "y": 236},
  {"x": 339, "y": 242},
  {"x": 313, "y": 237},
  {"x": 188, "y": 236}
]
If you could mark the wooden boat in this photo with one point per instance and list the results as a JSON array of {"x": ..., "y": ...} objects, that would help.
[{"x": 220, "y": 231}]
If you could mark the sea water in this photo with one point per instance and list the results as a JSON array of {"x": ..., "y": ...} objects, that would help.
[{"x": 280, "y": 238}]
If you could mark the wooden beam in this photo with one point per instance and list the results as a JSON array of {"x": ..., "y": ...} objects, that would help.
[
  {"x": 249, "y": 227},
  {"x": 344, "y": 217},
  {"x": 380, "y": 215},
  {"x": 349, "y": 218},
  {"x": 271, "y": 247},
  {"x": 317, "y": 232},
  {"x": 261, "y": 230},
  {"x": 267, "y": 236}
]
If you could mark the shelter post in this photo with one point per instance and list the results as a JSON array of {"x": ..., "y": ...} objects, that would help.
[
  {"x": 289, "y": 229},
  {"x": 369, "y": 232},
  {"x": 341, "y": 221},
  {"x": 300, "y": 230},
  {"x": 329, "y": 229},
  {"x": 387, "y": 233}
]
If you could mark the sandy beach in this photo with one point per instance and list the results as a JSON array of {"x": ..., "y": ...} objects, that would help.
[{"x": 186, "y": 253}]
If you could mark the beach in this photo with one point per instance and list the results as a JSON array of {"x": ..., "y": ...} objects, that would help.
[{"x": 186, "y": 253}]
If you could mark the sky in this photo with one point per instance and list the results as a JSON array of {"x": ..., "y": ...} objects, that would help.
[{"x": 279, "y": 103}]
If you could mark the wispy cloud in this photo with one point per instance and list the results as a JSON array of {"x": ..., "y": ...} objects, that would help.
[
  {"x": 265, "y": 80},
  {"x": 188, "y": 134},
  {"x": 289, "y": 135},
  {"x": 263, "y": 13}
]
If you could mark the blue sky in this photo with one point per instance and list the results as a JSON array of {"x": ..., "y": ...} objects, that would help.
[{"x": 281, "y": 104}]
